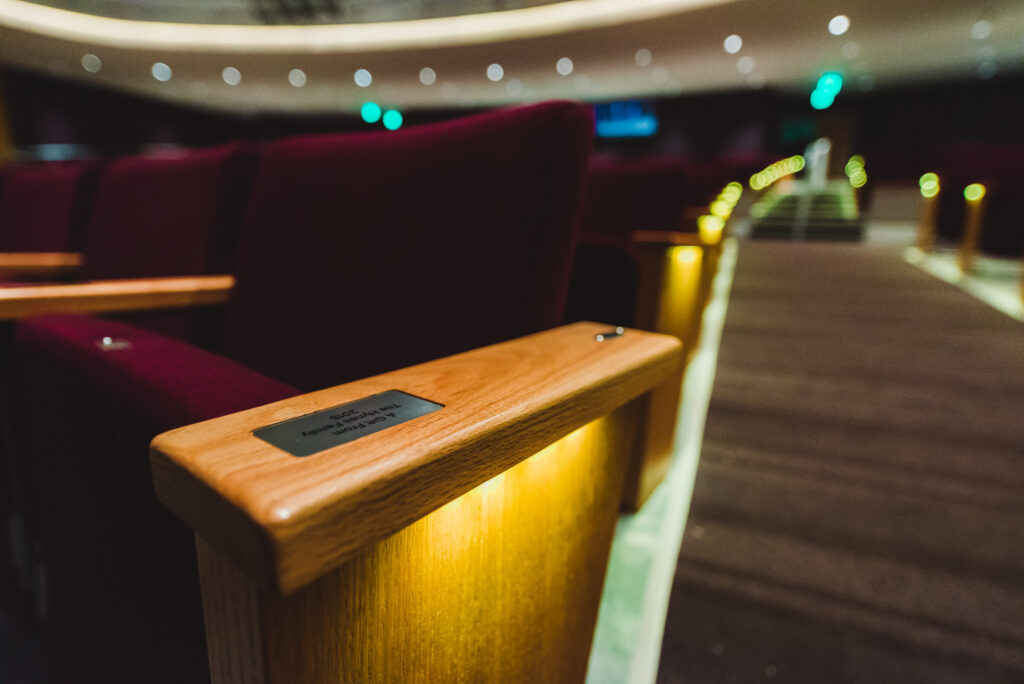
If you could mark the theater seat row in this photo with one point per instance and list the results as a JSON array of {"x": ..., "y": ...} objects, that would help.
[{"x": 356, "y": 255}]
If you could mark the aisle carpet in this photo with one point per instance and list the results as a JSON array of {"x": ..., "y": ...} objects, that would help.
[{"x": 859, "y": 508}]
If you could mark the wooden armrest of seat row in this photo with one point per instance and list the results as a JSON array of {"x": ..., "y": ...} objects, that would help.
[
  {"x": 40, "y": 264},
  {"x": 114, "y": 295},
  {"x": 467, "y": 544},
  {"x": 675, "y": 272}
]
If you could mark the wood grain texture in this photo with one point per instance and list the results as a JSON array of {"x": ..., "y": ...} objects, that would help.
[
  {"x": 287, "y": 520},
  {"x": 34, "y": 265},
  {"x": 673, "y": 284},
  {"x": 115, "y": 295},
  {"x": 653, "y": 446},
  {"x": 501, "y": 585}
]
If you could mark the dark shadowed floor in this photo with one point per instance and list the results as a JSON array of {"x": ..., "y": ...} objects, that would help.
[{"x": 859, "y": 508}]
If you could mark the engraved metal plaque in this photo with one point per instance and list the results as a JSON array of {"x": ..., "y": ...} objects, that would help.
[{"x": 309, "y": 434}]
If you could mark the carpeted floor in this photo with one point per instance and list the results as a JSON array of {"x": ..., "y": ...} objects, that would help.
[{"x": 859, "y": 508}]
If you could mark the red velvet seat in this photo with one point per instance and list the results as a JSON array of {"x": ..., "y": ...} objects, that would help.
[
  {"x": 169, "y": 215},
  {"x": 43, "y": 206},
  {"x": 621, "y": 196},
  {"x": 360, "y": 253}
]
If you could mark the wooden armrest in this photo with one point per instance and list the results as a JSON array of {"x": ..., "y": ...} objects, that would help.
[
  {"x": 667, "y": 238},
  {"x": 41, "y": 264},
  {"x": 114, "y": 295},
  {"x": 287, "y": 520}
]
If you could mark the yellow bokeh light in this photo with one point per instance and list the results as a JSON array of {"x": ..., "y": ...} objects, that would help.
[
  {"x": 720, "y": 208},
  {"x": 710, "y": 228},
  {"x": 928, "y": 178},
  {"x": 974, "y": 192},
  {"x": 930, "y": 189}
]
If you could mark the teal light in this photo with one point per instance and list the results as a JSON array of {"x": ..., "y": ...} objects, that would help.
[
  {"x": 831, "y": 82},
  {"x": 392, "y": 120},
  {"x": 370, "y": 112},
  {"x": 821, "y": 99}
]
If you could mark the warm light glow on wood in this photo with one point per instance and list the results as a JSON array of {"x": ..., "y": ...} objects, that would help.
[
  {"x": 499, "y": 585},
  {"x": 680, "y": 302}
]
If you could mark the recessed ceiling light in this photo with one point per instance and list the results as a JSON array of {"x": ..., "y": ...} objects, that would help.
[
  {"x": 564, "y": 66},
  {"x": 231, "y": 76},
  {"x": 428, "y": 76},
  {"x": 642, "y": 57},
  {"x": 495, "y": 72},
  {"x": 297, "y": 77},
  {"x": 733, "y": 44},
  {"x": 91, "y": 63},
  {"x": 363, "y": 78},
  {"x": 839, "y": 25},
  {"x": 981, "y": 30},
  {"x": 161, "y": 72},
  {"x": 745, "y": 65}
]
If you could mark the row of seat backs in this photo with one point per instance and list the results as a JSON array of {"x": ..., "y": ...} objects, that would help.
[
  {"x": 319, "y": 203},
  {"x": 358, "y": 254},
  {"x": 136, "y": 216}
]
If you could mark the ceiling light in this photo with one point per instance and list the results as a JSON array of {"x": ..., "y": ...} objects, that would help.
[
  {"x": 297, "y": 77},
  {"x": 745, "y": 65},
  {"x": 564, "y": 66},
  {"x": 495, "y": 72},
  {"x": 428, "y": 76},
  {"x": 839, "y": 25},
  {"x": 981, "y": 30},
  {"x": 231, "y": 76},
  {"x": 514, "y": 87},
  {"x": 642, "y": 57},
  {"x": 733, "y": 44},
  {"x": 91, "y": 63},
  {"x": 161, "y": 72},
  {"x": 363, "y": 78}
]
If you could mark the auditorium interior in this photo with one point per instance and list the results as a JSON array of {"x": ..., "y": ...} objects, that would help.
[{"x": 512, "y": 341}]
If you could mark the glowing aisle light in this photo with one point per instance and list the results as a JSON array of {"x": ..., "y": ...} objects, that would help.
[
  {"x": 929, "y": 183},
  {"x": 974, "y": 192}
]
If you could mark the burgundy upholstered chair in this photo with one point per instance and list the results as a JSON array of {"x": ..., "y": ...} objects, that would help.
[
  {"x": 170, "y": 215},
  {"x": 621, "y": 196},
  {"x": 43, "y": 205},
  {"x": 360, "y": 253}
]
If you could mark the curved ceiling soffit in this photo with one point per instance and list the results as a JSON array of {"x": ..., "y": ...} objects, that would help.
[{"x": 472, "y": 29}]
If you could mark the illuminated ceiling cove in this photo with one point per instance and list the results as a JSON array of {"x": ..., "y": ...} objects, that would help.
[{"x": 580, "y": 49}]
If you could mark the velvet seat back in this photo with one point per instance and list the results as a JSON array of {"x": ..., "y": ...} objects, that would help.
[
  {"x": 43, "y": 205},
  {"x": 623, "y": 196},
  {"x": 174, "y": 215},
  {"x": 368, "y": 252}
]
